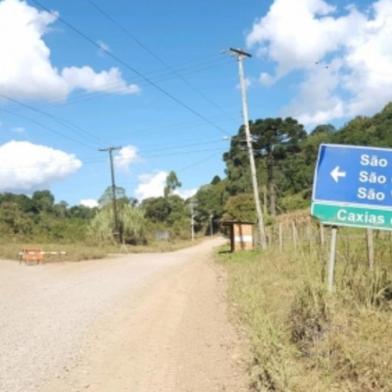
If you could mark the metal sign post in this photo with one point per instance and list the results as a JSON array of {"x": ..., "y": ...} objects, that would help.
[{"x": 332, "y": 259}]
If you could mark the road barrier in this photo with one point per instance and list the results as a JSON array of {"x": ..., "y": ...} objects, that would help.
[{"x": 37, "y": 255}]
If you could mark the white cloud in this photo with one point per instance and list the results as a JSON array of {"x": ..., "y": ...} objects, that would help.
[
  {"x": 90, "y": 203},
  {"x": 186, "y": 193},
  {"x": 266, "y": 79},
  {"x": 346, "y": 58},
  {"x": 296, "y": 34},
  {"x": 126, "y": 156},
  {"x": 26, "y": 70},
  {"x": 106, "y": 81},
  {"x": 316, "y": 94},
  {"x": 151, "y": 185},
  {"x": 26, "y": 167}
]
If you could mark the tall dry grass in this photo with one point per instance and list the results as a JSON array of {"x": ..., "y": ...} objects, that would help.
[{"x": 303, "y": 338}]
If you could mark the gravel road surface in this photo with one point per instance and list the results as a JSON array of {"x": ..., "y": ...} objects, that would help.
[{"x": 137, "y": 323}]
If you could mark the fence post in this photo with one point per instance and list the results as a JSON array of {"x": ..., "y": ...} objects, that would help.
[
  {"x": 294, "y": 229},
  {"x": 270, "y": 235},
  {"x": 280, "y": 237}
]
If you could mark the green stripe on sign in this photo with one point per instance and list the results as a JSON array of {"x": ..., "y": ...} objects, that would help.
[{"x": 371, "y": 218}]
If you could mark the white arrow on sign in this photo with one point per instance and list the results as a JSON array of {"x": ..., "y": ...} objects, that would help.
[{"x": 336, "y": 174}]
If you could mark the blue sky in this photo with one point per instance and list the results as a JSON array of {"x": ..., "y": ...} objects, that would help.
[{"x": 190, "y": 37}]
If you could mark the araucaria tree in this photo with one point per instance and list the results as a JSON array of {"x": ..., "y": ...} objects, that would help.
[
  {"x": 274, "y": 140},
  {"x": 172, "y": 183}
]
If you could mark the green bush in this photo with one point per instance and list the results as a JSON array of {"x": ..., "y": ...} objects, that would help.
[{"x": 132, "y": 225}]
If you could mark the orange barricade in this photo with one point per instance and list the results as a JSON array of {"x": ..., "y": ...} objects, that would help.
[{"x": 33, "y": 255}]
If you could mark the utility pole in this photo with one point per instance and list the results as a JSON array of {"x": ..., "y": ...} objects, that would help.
[
  {"x": 240, "y": 55},
  {"x": 110, "y": 150},
  {"x": 192, "y": 220},
  {"x": 211, "y": 224}
]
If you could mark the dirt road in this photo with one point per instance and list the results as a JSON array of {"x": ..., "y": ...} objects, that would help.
[{"x": 139, "y": 323}]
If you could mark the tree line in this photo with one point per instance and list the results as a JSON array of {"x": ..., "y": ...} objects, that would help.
[{"x": 285, "y": 156}]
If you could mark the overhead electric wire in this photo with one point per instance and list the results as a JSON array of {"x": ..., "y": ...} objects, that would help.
[
  {"x": 173, "y": 148},
  {"x": 65, "y": 136},
  {"x": 166, "y": 148},
  {"x": 104, "y": 161},
  {"x": 112, "y": 87},
  {"x": 134, "y": 70},
  {"x": 178, "y": 153},
  {"x": 67, "y": 124},
  {"x": 197, "y": 163},
  {"x": 182, "y": 153},
  {"x": 154, "y": 55},
  {"x": 185, "y": 125}
]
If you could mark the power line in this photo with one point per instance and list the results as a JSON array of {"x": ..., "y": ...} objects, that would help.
[
  {"x": 180, "y": 146},
  {"x": 197, "y": 163},
  {"x": 173, "y": 126},
  {"x": 182, "y": 153},
  {"x": 134, "y": 70},
  {"x": 169, "y": 154},
  {"x": 65, "y": 123},
  {"x": 49, "y": 128},
  {"x": 87, "y": 163},
  {"x": 118, "y": 87},
  {"x": 94, "y": 161},
  {"x": 154, "y": 55},
  {"x": 166, "y": 148}
]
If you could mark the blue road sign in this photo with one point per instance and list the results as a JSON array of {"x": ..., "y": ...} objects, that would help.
[{"x": 354, "y": 176}]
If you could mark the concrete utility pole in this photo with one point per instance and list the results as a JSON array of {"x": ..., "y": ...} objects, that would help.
[
  {"x": 110, "y": 150},
  {"x": 240, "y": 55}
]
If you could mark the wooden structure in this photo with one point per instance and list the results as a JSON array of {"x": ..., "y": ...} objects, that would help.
[{"x": 241, "y": 235}]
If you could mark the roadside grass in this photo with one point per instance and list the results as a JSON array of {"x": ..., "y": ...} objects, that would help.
[
  {"x": 304, "y": 339},
  {"x": 162, "y": 246},
  {"x": 85, "y": 251}
]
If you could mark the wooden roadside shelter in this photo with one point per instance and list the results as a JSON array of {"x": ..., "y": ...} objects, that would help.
[{"x": 241, "y": 235}]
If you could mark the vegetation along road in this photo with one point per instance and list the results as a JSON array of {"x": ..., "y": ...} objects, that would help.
[{"x": 131, "y": 323}]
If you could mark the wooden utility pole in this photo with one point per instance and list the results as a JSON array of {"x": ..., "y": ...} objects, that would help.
[
  {"x": 110, "y": 150},
  {"x": 211, "y": 224},
  {"x": 240, "y": 55},
  {"x": 192, "y": 207}
]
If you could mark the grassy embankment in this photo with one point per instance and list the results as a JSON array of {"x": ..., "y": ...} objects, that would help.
[
  {"x": 304, "y": 339},
  {"x": 80, "y": 251}
]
